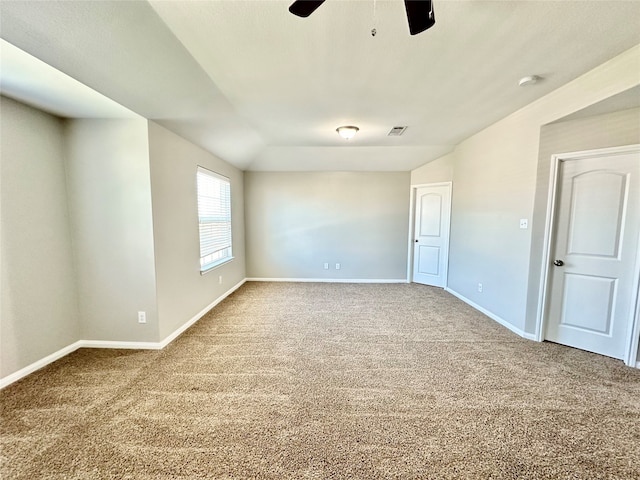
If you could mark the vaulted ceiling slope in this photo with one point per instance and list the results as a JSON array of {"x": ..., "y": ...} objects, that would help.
[{"x": 265, "y": 90}]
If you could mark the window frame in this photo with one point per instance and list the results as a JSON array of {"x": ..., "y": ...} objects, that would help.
[{"x": 226, "y": 214}]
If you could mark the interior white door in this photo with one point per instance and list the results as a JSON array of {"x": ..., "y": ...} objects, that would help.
[
  {"x": 431, "y": 231},
  {"x": 594, "y": 253}
]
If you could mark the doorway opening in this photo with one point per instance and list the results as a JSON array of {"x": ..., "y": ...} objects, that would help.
[
  {"x": 429, "y": 236},
  {"x": 591, "y": 261}
]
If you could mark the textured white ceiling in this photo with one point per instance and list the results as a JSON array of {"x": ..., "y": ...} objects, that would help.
[{"x": 265, "y": 90}]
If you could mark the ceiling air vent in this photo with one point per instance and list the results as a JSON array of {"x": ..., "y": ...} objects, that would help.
[{"x": 396, "y": 131}]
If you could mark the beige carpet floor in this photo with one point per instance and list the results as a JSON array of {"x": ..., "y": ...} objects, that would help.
[{"x": 328, "y": 381}]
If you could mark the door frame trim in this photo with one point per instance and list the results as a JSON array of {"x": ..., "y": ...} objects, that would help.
[
  {"x": 633, "y": 334},
  {"x": 412, "y": 208}
]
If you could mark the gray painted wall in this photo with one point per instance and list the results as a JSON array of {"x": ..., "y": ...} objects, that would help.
[
  {"x": 110, "y": 208},
  {"x": 492, "y": 190},
  {"x": 298, "y": 221},
  {"x": 610, "y": 130},
  {"x": 440, "y": 170},
  {"x": 39, "y": 306},
  {"x": 182, "y": 291},
  {"x": 494, "y": 179}
]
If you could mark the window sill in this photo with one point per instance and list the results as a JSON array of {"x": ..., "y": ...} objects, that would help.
[{"x": 213, "y": 266}]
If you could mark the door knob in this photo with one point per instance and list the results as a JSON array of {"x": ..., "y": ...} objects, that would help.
[
  {"x": 558, "y": 263},
  {"x": 416, "y": 241}
]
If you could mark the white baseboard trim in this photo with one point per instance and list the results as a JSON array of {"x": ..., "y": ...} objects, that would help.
[
  {"x": 330, "y": 280},
  {"x": 199, "y": 315},
  {"x": 492, "y": 316},
  {"x": 637, "y": 364},
  {"x": 23, "y": 372},
  {"x": 43, "y": 362},
  {"x": 114, "y": 344}
]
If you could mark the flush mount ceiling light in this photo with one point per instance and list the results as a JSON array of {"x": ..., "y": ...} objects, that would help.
[
  {"x": 347, "y": 131},
  {"x": 529, "y": 80}
]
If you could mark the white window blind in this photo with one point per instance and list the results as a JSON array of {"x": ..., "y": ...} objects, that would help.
[{"x": 214, "y": 218}]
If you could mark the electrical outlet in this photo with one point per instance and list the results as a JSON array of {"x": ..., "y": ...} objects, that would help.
[
  {"x": 337, "y": 266},
  {"x": 142, "y": 317},
  {"x": 220, "y": 279},
  {"x": 480, "y": 287},
  {"x": 326, "y": 265},
  {"x": 524, "y": 223}
]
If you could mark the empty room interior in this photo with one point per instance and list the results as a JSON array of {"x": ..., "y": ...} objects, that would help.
[{"x": 303, "y": 239}]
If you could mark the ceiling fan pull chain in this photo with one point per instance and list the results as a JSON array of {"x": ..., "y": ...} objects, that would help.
[{"x": 373, "y": 30}]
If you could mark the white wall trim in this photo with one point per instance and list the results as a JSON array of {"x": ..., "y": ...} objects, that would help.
[
  {"x": 436, "y": 184},
  {"x": 412, "y": 202},
  {"x": 500, "y": 320},
  {"x": 631, "y": 357},
  {"x": 330, "y": 280},
  {"x": 112, "y": 344},
  {"x": 549, "y": 233},
  {"x": 43, "y": 362},
  {"x": 170, "y": 338},
  {"x": 23, "y": 372}
]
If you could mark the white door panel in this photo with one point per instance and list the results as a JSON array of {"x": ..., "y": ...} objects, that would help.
[
  {"x": 594, "y": 252},
  {"x": 429, "y": 260},
  {"x": 597, "y": 205},
  {"x": 431, "y": 230},
  {"x": 593, "y": 313},
  {"x": 430, "y": 214}
]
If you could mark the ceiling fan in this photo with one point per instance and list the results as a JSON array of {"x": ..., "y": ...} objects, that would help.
[{"x": 419, "y": 12}]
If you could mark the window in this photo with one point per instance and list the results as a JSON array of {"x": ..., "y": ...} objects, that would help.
[{"x": 214, "y": 218}]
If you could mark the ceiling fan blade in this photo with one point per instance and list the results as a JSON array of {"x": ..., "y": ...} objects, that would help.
[
  {"x": 420, "y": 15},
  {"x": 304, "y": 8}
]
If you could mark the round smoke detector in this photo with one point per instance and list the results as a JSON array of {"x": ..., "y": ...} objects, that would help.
[{"x": 529, "y": 80}]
